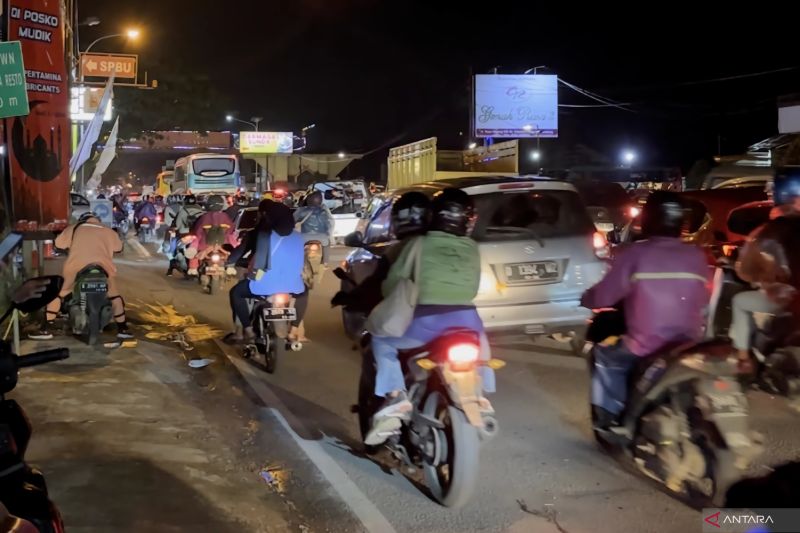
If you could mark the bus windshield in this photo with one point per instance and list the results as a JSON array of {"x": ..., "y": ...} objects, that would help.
[{"x": 216, "y": 166}]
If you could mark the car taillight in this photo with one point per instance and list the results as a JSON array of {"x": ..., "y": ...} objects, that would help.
[
  {"x": 215, "y": 258},
  {"x": 634, "y": 211},
  {"x": 463, "y": 356},
  {"x": 600, "y": 245},
  {"x": 280, "y": 299},
  {"x": 728, "y": 249}
]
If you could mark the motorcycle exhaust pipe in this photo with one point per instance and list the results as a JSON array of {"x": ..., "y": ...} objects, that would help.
[
  {"x": 490, "y": 428},
  {"x": 296, "y": 346}
]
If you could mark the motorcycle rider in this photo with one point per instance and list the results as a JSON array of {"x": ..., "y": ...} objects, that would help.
[
  {"x": 447, "y": 282},
  {"x": 89, "y": 243},
  {"x": 240, "y": 202},
  {"x": 316, "y": 222},
  {"x": 770, "y": 260},
  {"x": 276, "y": 266},
  {"x": 188, "y": 215},
  {"x": 212, "y": 230},
  {"x": 662, "y": 284},
  {"x": 145, "y": 209}
]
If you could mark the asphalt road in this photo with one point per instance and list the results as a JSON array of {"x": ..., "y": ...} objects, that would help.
[{"x": 543, "y": 472}]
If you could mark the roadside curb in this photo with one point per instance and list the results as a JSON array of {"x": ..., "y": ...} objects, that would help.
[{"x": 360, "y": 505}]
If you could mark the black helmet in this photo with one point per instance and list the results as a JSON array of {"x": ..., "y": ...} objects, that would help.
[
  {"x": 314, "y": 199},
  {"x": 242, "y": 200},
  {"x": 411, "y": 214},
  {"x": 190, "y": 199},
  {"x": 86, "y": 217},
  {"x": 663, "y": 215},
  {"x": 215, "y": 202},
  {"x": 787, "y": 185},
  {"x": 453, "y": 211}
]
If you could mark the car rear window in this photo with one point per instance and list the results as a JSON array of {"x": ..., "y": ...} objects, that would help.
[{"x": 530, "y": 215}]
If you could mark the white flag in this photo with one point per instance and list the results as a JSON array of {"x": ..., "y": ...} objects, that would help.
[
  {"x": 106, "y": 157},
  {"x": 92, "y": 133}
]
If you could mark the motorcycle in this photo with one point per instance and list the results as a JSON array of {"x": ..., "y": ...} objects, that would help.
[
  {"x": 146, "y": 229},
  {"x": 271, "y": 317},
  {"x": 685, "y": 423},
  {"x": 23, "y": 490},
  {"x": 442, "y": 436},
  {"x": 121, "y": 223},
  {"x": 211, "y": 272},
  {"x": 89, "y": 308}
]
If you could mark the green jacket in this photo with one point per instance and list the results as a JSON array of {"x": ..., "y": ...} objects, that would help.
[{"x": 450, "y": 270}]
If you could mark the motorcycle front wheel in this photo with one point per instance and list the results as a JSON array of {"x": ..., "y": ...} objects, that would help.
[{"x": 451, "y": 456}]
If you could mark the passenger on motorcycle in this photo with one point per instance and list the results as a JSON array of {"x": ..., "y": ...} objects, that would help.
[
  {"x": 662, "y": 285},
  {"x": 89, "y": 243},
  {"x": 212, "y": 230},
  {"x": 188, "y": 215},
  {"x": 145, "y": 209},
  {"x": 316, "y": 222},
  {"x": 448, "y": 282},
  {"x": 276, "y": 266},
  {"x": 770, "y": 261}
]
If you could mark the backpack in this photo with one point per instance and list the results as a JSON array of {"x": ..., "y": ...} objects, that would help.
[{"x": 215, "y": 236}]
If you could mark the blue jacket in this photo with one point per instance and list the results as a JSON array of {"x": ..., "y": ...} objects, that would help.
[{"x": 286, "y": 260}]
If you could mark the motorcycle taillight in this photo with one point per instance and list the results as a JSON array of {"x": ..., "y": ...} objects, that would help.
[{"x": 463, "y": 356}]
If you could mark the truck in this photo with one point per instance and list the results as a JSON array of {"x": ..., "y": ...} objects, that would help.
[{"x": 421, "y": 161}]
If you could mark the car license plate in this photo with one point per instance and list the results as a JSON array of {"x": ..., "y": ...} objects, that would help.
[
  {"x": 541, "y": 271},
  {"x": 280, "y": 313},
  {"x": 94, "y": 286}
]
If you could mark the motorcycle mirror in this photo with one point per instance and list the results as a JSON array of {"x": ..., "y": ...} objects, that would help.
[
  {"x": 35, "y": 293},
  {"x": 354, "y": 240}
]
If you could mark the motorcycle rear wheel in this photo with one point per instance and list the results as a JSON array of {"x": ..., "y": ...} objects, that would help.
[{"x": 451, "y": 474}]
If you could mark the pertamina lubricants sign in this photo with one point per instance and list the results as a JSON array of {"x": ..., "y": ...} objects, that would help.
[{"x": 39, "y": 142}]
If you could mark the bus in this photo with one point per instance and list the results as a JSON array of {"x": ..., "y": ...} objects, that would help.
[{"x": 207, "y": 173}]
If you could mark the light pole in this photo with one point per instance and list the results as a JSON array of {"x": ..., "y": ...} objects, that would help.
[
  {"x": 254, "y": 123},
  {"x": 131, "y": 34}
]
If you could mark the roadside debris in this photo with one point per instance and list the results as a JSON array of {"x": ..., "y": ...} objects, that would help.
[{"x": 200, "y": 363}]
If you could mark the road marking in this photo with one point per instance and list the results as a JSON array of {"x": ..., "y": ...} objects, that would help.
[
  {"x": 136, "y": 245},
  {"x": 366, "y": 511}
]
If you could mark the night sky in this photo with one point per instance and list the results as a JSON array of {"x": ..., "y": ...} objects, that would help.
[{"x": 375, "y": 74}]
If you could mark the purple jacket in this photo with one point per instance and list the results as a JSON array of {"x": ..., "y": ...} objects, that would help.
[{"x": 663, "y": 286}]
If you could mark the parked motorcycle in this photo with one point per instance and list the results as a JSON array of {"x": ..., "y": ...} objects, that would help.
[
  {"x": 271, "y": 317},
  {"x": 443, "y": 433},
  {"x": 89, "y": 308},
  {"x": 23, "y": 491},
  {"x": 685, "y": 423}
]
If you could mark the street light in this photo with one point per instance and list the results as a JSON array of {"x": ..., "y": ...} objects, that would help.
[
  {"x": 536, "y": 155},
  {"x": 628, "y": 157},
  {"x": 341, "y": 155},
  {"x": 131, "y": 34},
  {"x": 254, "y": 123},
  {"x": 472, "y": 145}
]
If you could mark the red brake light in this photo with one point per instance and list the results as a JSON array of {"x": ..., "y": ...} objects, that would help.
[
  {"x": 634, "y": 211},
  {"x": 314, "y": 247},
  {"x": 463, "y": 353},
  {"x": 280, "y": 299}
]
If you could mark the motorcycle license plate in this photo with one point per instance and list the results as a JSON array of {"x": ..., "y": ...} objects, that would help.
[
  {"x": 280, "y": 313},
  {"x": 94, "y": 286}
]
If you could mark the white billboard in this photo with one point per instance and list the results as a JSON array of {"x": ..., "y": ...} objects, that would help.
[
  {"x": 516, "y": 105},
  {"x": 789, "y": 119}
]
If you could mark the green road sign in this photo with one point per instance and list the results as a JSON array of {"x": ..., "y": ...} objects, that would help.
[{"x": 13, "y": 92}]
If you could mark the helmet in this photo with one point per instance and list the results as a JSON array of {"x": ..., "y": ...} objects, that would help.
[
  {"x": 242, "y": 200},
  {"x": 85, "y": 217},
  {"x": 314, "y": 199},
  {"x": 215, "y": 202},
  {"x": 190, "y": 199},
  {"x": 663, "y": 215},
  {"x": 787, "y": 185},
  {"x": 453, "y": 211},
  {"x": 411, "y": 214},
  {"x": 276, "y": 217}
]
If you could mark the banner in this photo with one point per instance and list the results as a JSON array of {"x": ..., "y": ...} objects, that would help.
[
  {"x": 106, "y": 157},
  {"x": 266, "y": 142},
  {"x": 39, "y": 144},
  {"x": 516, "y": 105},
  {"x": 92, "y": 132}
]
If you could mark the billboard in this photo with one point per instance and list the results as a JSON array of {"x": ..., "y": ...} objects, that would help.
[
  {"x": 84, "y": 102},
  {"x": 266, "y": 142},
  {"x": 39, "y": 143},
  {"x": 516, "y": 105}
]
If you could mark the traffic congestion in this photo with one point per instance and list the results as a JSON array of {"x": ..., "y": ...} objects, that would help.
[{"x": 220, "y": 327}]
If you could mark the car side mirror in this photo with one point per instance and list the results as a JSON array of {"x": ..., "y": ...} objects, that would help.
[
  {"x": 35, "y": 293},
  {"x": 354, "y": 240}
]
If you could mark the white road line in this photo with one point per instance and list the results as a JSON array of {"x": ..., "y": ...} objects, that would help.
[
  {"x": 366, "y": 511},
  {"x": 136, "y": 245}
]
